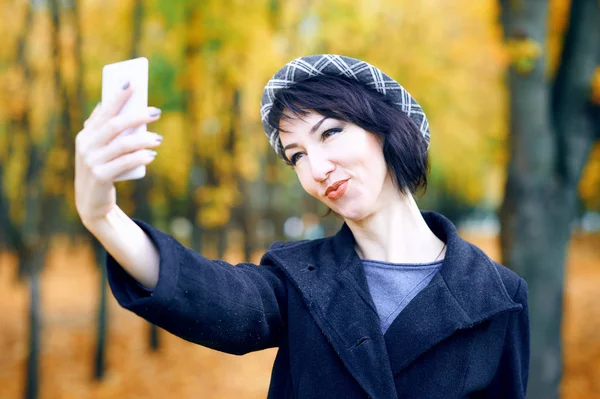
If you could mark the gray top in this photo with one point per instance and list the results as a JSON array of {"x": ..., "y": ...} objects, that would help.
[{"x": 394, "y": 285}]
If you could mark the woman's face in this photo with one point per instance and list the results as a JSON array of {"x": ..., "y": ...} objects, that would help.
[{"x": 339, "y": 163}]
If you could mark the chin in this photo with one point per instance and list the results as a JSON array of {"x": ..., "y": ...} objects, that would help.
[{"x": 353, "y": 213}]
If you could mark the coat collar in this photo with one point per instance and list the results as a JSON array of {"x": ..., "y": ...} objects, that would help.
[{"x": 329, "y": 275}]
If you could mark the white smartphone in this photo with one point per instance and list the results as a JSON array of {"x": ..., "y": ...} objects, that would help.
[{"x": 114, "y": 77}]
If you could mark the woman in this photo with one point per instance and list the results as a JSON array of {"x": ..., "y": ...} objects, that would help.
[{"x": 395, "y": 305}]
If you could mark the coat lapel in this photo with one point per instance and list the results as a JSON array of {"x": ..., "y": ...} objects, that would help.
[
  {"x": 468, "y": 290},
  {"x": 430, "y": 317},
  {"x": 332, "y": 282}
]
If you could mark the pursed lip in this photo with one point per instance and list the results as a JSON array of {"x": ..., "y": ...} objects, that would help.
[{"x": 334, "y": 186}]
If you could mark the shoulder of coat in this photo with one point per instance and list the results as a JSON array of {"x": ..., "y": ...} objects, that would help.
[{"x": 512, "y": 281}]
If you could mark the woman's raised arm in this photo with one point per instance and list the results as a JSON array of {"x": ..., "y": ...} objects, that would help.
[
  {"x": 102, "y": 155},
  {"x": 129, "y": 246}
]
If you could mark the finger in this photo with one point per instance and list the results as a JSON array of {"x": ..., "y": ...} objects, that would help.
[
  {"x": 124, "y": 145},
  {"x": 94, "y": 113},
  {"x": 114, "y": 106},
  {"x": 116, "y": 125},
  {"x": 108, "y": 172}
]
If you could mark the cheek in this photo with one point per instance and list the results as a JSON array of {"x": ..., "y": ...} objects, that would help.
[
  {"x": 364, "y": 153},
  {"x": 360, "y": 146},
  {"x": 372, "y": 162}
]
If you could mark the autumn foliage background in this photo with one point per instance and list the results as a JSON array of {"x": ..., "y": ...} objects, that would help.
[{"x": 209, "y": 62}]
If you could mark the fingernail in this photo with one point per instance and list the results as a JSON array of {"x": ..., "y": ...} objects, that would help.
[
  {"x": 152, "y": 153},
  {"x": 159, "y": 138},
  {"x": 154, "y": 111},
  {"x": 125, "y": 86}
]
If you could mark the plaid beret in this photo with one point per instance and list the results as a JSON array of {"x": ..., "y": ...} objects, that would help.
[{"x": 338, "y": 65}]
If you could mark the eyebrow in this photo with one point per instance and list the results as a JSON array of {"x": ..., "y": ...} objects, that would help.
[{"x": 312, "y": 130}]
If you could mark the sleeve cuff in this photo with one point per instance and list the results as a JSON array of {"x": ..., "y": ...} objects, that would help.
[{"x": 130, "y": 293}]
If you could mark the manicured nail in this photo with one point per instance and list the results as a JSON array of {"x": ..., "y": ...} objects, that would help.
[
  {"x": 159, "y": 138},
  {"x": 154, "y": 111},
  {"x": 125, "y": 86},
  {"x": 152, "y": 153}
]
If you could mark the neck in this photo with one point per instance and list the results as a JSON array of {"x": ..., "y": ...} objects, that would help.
[{"x": 396, "y": 233}]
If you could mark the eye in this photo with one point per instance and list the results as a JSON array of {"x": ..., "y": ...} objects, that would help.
[
  {"x": 330, "y": 132},
  {"x": 295, "y": 158},
  {"x": 324, "y": 136}
]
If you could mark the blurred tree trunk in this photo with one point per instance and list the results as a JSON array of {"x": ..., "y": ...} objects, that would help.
[
  {"x": 247, "y": 211},
  {"x": 273, "y": 206},
  {"x": 551, "y": 135},
  {"x": 197, "y": 174},
  {"x": 274, "y": 200},
  {"x": 77, "y": 105},
  {"x": 5, "y": 221},
  {"x": 80, "y": 98},
  {"x": 10, "y": 235},
  {"x": 39, "y": 208},
  {"x": 102, "y": 313},
  {"x": 35, "y": 262},
  {"x": 59, "y": 128},
  {"x": 19, "y": 126},
  {"x": 35, "y": 245}
]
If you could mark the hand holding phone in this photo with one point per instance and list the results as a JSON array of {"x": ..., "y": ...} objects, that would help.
[
  {"x": 114, "y": 78},
  {"x": 103, "y": 154}
]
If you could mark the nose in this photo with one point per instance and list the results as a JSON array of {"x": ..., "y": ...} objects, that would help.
[{"x": 320, "y": 165}]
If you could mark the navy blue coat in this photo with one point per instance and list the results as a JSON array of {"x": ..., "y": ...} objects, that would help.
[{"x": 465, "y": 335}]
